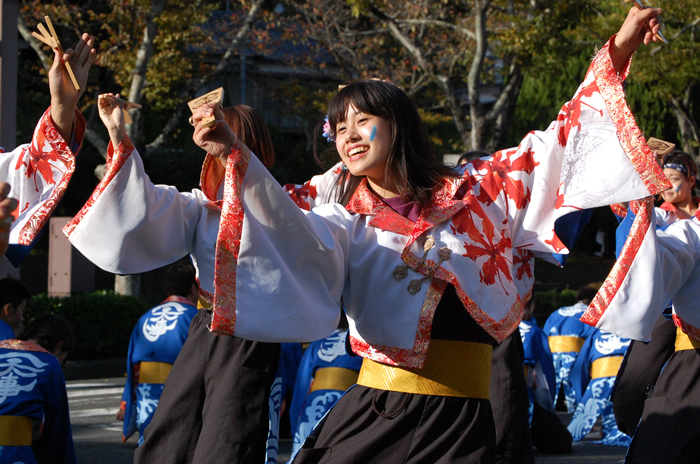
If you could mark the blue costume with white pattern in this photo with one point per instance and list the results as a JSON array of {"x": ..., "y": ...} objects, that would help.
[
  {"x": 565, "y": 322},
  {"x": 157, "y": 337},
  {"x": 32, "y": 385},
  {"x": 539, "y": 359},
  {"x": 593, "y": 391},
  {"x": 290, "y": 357},
  {"x": 308, "y": 408}
]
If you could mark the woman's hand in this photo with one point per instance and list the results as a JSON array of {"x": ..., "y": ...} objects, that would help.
[
  {"x": 112, "y": 116},
  {"x": 216, "y": 140},
  {"x": 64, "y": 97},
  {"x": 640, "y": 27}
]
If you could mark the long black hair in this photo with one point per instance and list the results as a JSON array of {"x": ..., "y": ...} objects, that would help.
[{"x": 411, "y": 164}]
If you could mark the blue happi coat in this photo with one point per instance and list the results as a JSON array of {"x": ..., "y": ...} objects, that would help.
[
  {"x": 538, "y": 360},
  {"x": 565, "y": 322},
  {"x": 32, "y": 385},
  {"x": 158, "y": 337},
  {"x": 290, "y": 357},
  {"x": 308, "y": 407},
  {"x": 593, "y": 389},
  {"x": 6, "y": 332}
]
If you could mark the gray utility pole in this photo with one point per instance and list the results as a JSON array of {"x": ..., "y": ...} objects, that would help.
[{"x": 8, "y": 74}]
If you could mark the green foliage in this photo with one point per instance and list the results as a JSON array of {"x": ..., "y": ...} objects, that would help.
[
  {"x": 548, "y": 301},
  {"x": 102, "y": 321}
]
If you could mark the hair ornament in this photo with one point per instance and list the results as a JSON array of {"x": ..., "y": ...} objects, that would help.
[{"x": 327, "y": 131}]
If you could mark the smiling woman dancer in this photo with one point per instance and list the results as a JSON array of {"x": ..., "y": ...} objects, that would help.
[{"x": 432, "y": 269}]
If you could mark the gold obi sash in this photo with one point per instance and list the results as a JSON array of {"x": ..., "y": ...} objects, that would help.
[
  {"x": 451, "y": 368},
  {"x": 154, "y": 372},
  {"x": 15, "y": 431},
  {"x": 334, "y": 378},
  {"x": 684, "y": 342},
  {"x": 606, "y": 367},
  {"x": 565, "y": 344}
]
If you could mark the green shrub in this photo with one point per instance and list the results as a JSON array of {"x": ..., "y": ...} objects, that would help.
[
  {"x": 546, "y": 302},
  {"x": 102, "y": 321}
]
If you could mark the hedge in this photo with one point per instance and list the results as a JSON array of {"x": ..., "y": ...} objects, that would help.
[
  {"x": 546, "y": 302},
  {"x": 102, "y": 321}
]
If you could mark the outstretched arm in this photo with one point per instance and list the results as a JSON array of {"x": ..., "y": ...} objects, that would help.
[{"x": 64, "y": 97}]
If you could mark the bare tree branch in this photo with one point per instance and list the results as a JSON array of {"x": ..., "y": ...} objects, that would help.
[
  {"x": 45, "y": 59},
  {"x": 434, "y": 22},
  {"x": 143, "y": 56},
  {"x": 676, "y": 35},
  {"x": 200, "y": 83}
]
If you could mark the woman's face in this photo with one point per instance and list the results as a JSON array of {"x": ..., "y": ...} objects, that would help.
[
  {"x": 682, "y": 186},
  {"x": 363, "y": 141}
]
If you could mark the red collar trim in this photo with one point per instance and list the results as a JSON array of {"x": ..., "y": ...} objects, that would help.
[
  {"x": 179, "y": 299},
  {"x": 671, "y": 208},
  {"x": 442, "y": 207}
]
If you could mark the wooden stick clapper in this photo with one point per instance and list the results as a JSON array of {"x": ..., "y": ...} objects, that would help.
[
  {"x": 660, "y": 147},
  {"x": 216, "y": 96},
  {"x": 123, "y": 104},
  {"x": 50, "y": 38},
  {"x": 640, "y": 5}
]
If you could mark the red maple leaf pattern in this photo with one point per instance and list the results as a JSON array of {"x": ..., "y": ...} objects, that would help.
[
  {"x": 300, "y": 195},
  {"x": 38, "y": 163},
  {"x": 522, "y": 262},
  {"x": 555, "y": 242},
  {"x": 498, "y": 176},
  {"x": 560, "y": 199},
  {"x": 484, "y": 244},
  {"x": 571, "y": 112}
]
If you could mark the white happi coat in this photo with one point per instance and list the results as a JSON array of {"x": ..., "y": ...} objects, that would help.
[
  {"x": 279, "y": 272},
  {"x": 38, "y": 173}
]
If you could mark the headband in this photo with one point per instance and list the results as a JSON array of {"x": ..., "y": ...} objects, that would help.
[{"x": 677, "y": 167}]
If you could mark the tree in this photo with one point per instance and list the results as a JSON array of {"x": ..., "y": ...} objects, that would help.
[
  {"x": 668, "y": 73},
  {"x": 466, "y": 56},
  {"x": 145, "y": 51}
]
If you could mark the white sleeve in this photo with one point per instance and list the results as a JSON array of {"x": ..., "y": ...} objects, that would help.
[
  {"x": 651, "y": 269},
  {"x": 280, "y": 270},
  {"x": 39, "y": 173},
  {"x": 129, "y": 225},
  {"x": 592, "y": 155}
]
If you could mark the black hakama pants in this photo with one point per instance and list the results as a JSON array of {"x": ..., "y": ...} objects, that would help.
[
  {"x": 510, "y": 403},
  {"x": 214, "y": 406},
  {"x": 373, "y": 426},
  {"x": 668, "y": 431},
  {"x": 639, "y": 370}
]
